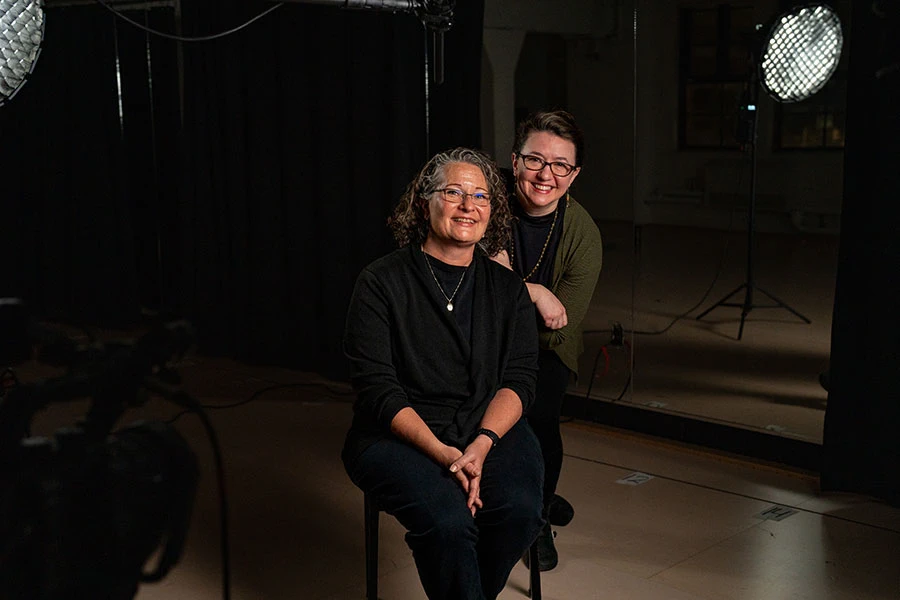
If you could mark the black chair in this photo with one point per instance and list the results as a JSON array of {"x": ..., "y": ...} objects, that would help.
[{"x": 371, "y": 519}]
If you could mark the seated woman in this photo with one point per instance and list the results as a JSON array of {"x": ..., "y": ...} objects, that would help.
[{"x": 442, "y": 343}]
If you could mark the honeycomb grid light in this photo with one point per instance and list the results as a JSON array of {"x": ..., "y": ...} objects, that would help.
[
  {"x": 801, "y": 52},
  {"x": 21, "y": 34}
]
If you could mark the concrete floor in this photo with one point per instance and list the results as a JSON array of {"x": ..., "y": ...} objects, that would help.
[
  {"x": 694, "y": 527},
  {"x": 768, "y": 380},
  {"x": 655, "y": 520}
]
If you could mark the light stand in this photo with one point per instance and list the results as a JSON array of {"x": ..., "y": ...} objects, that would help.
[
  {"x": 747, "y": 134},
  {"x": 799, "y": 53}
]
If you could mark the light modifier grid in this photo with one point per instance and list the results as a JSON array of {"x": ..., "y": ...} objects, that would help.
[
  {"x": 21, "y": 33},
  {"x": 802, "y": 53}
]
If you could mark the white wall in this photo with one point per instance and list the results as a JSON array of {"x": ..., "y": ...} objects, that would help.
[{"x": 650, "y": 181}]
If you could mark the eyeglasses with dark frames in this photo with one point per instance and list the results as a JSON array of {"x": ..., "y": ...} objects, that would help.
[
  {"x": 536, "y": 163},
  {"x": 456, "y": 196}
]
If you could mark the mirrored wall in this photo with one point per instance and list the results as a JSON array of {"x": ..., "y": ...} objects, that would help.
[{"x": 720, "y": 322}]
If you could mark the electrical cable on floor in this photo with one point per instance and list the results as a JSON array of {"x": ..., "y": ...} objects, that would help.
[
  {"x": 223, "y": 502},
  {"x": 709, "y": 289},
  {"x": 587, "y": 395},
  {"x": 333, "y": 393},
  {"x": 706, "y": 294},
  {"x": 180, "y": 38},
  {"x": 193, "y": 407},
  {"x": 184, "y": 399},
  {"x": 605, "y": 353}
]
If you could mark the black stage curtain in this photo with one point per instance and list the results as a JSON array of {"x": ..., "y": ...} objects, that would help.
[
  {"x": 861, "y": 449},
  {"x": 252, "y": 177},
  {"x": 299, "y": 137},
  {"x": 68, "y": 230}
]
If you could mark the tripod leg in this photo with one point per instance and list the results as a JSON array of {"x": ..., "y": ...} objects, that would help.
[
  {"x": 722, "y": 301},
  {"x": 746, "y": 308},
  {"x": 785, "y": 306}
]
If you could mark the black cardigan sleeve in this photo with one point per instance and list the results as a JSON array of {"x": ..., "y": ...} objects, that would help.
[
  {"x": 367, "y": 344},
  {"x": 520, "y": 370}
]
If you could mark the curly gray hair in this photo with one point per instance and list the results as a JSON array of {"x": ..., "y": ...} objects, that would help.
[{"x": 410, "y": 220}]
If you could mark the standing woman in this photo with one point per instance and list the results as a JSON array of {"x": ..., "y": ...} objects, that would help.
[
  {"x": 443, "y": 354},
  {"x": 556, "y": 248}
]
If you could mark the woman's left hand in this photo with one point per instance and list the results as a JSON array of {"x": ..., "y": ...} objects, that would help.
[{"x": 469, "y": 467}]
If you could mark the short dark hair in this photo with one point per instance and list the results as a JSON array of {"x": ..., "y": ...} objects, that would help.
[
  {"x": 557, "y": 122},
  {"x": 410, "y": 220}
]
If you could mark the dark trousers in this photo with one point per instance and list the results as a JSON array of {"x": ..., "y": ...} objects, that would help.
[
  {"x": 543, "y": 416},
  {"x": 459, "y": 557}
]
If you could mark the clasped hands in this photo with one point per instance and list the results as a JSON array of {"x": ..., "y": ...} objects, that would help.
[{"x": 467, "y": 467}]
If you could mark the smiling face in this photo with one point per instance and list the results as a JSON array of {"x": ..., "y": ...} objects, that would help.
[
  {"x": 462, "y": 224},
  {"x": 539, "y": 191}
]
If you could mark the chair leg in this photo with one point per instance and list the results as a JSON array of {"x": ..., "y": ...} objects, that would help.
[
  {"x": 371, "y": 526},
  {"x": 534, "y": 589}
]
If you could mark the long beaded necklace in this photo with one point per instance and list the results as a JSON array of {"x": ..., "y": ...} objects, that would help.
[
  {"x": 543, "y": 250},
  {"x": 452, "y": 296}
]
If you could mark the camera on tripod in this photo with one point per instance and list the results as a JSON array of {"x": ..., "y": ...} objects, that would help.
[{"x": 83, "y": 510}]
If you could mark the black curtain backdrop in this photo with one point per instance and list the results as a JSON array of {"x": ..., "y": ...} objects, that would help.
[
  {"x": 249, "y": 181},
  {"x": 861, "y": 449},
  {"x": 67, "y": 241}
]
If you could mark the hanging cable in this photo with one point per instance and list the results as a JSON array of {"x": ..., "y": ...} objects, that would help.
[
  {"x": 180, "y": 38},
  {"x": 427, "y": 102},
  {"x": 709, "y": 288},
  {"x": 603, "y": 351}
]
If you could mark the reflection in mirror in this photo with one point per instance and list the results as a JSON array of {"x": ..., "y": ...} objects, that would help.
[
  {"x": 658, "y": 90},
  {"x": 576, "y": 55},
  {"x": 722, "y": 285}
]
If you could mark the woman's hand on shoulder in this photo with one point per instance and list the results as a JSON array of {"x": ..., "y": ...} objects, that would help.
[{"x": 552, "y": 311}]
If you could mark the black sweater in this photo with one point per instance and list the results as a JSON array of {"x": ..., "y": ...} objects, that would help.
[{"x": 406, "y": 349}]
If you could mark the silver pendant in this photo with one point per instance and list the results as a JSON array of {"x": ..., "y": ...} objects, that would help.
[{"x": 450, "y": 306}]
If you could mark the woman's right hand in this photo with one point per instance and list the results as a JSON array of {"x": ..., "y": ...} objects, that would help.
[
  {"x": 552, "y": 311},
  {"x": 468, "y": 476},
  {"x": 407, "y": 425}
]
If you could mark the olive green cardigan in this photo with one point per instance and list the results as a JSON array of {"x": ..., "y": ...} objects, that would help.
[{"x": 576, "y": 269}]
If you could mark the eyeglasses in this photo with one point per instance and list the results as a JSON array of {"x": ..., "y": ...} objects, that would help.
[
  {"x": 536, "y": 163},
  {"x": 456, "y": 196}
]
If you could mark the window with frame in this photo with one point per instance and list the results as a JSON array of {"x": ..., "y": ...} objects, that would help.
[
  {"x": 815, "y": 123},
  {"x": 714, "y": 63},
  {"x": 819, "y": 121}
]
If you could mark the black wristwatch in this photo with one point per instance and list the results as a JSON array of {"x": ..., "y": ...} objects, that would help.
[{"x": 491, "y": 434}]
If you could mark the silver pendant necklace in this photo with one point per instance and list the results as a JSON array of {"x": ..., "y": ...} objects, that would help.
[{"x": 452, "y": 296}]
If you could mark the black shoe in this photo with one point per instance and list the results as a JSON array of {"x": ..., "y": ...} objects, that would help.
[
  {"x": 559, "y": 511},
  {"x": 825, "y": 380},
  {"x": 548, "y": 558}
]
